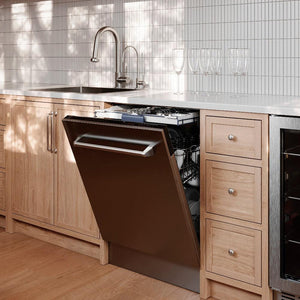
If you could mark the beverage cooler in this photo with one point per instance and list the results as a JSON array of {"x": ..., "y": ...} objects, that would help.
[
  {"x": 285, "y": 205},
  {"x": 140, "y": 168}
]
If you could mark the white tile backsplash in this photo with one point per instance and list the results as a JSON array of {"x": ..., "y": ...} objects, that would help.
[{"x": 50, "y": 41}]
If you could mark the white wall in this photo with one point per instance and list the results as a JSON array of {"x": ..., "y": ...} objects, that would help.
[{"x": 51, "y": 41}]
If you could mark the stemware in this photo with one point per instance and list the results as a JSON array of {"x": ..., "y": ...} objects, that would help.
[
  {"x": 193, "y": 62},
  {"x": 205, "y": 63},
  {"x": 215, "y": 65},
  {"x": 205, "y": 56},
  {"x": 238, "y": 62},
  {"x": 178, "y": 64}
]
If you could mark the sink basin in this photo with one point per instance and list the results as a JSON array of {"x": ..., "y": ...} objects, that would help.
[{"x": 83, "y": 90}]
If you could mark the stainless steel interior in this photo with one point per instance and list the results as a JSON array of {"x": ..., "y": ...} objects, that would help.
[{"x": 83, "y": 90}]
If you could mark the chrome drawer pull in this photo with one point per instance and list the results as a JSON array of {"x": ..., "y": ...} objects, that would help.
[
  {"x": 231, "y": 191},
  {"x": 231, "y": 252},
  {"x": 231, "y": 137}
]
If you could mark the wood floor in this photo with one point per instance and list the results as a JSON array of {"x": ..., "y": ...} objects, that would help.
[{"x": 32, "y": 269}]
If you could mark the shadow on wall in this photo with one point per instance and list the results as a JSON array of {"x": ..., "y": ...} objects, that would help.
[{"x": 51, "y": 42}]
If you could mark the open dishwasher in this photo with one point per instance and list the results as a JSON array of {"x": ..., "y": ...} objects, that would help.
[{"x": 140, "y": 168}]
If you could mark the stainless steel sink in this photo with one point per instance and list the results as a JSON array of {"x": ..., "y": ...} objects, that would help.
[{"x": 83, "y": 90}]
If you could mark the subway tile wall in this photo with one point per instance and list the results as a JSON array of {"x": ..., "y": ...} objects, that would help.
[{"x": 51, "y": 41}]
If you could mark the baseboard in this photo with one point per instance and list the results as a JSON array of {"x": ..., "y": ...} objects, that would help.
[
  {"x": 57, "y": 239},
  {"x": 223, "y": 291},
  {"x": 53, "y": 228}
]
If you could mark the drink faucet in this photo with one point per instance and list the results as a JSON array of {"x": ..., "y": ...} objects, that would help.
[
  {"x": 117, "y": 53},
  {"x": 138, "y": 82}
]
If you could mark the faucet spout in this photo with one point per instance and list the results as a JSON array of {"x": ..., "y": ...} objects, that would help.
[
  {"x": 137, "y": 57},
  {"x": 117, "y": 52}
]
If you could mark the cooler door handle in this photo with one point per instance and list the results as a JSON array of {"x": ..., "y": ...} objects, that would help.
[{"x": 148, "y": 151}]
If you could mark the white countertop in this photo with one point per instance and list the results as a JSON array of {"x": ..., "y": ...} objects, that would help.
[{"x": 278, "y": 105}]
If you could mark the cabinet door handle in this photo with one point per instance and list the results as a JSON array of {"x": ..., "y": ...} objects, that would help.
[
  {"x": 231, "y": 252},
  {"x": 231, "y": 191},
  {"x": 53, "y": 144},
  {"x": 231, "y": 137},
  {"x": 49, "y": 131}
]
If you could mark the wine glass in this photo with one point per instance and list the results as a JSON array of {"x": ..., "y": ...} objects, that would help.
[
  {"x": 205, "y": 64},
  {"x": 178, "y": 64},
  {"x": 238, "y": 62},
  {"x": 244, "y": 61},
  {"x": 233, "y": 61},
  {"x": 193, "y": 62},
  {"x": 215, "y": 61},
  {"x": 215, "y": 65},
  {"x": 205, "y": 61}
]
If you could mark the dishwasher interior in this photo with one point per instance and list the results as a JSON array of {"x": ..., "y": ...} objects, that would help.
[{"x": 140, "y": 169}]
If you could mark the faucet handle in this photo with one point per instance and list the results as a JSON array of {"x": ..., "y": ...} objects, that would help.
[
  {"x": 123, "y": 79},
  {"x": 141, "y": 83}
]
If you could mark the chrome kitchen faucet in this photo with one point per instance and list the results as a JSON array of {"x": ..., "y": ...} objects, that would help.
[
  {"x": 117, "y": 53},
  {"x": 120, "y": 81}
]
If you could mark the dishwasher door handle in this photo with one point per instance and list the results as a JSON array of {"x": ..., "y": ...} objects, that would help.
[{"x": 148, "y": 151}]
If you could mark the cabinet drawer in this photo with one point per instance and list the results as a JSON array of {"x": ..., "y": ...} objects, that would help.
[
  {"x": 236, "y": 137},
  {"x": 233, "y": 251},
  {"x": 233, "y": 190}
]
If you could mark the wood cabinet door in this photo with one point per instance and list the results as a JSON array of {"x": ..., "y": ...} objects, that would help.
[
  {"x": 2, "y": 191},
  {"x": 72, "y": 207},
  {"x": 32, "y": 188}
]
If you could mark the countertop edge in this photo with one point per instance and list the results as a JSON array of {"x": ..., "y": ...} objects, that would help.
[{"x": 277, "y": 105}]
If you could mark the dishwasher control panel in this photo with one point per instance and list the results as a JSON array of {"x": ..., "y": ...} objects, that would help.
[{"x": 150, "y": 114}]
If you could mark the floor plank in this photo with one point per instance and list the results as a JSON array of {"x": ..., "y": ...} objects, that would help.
[{"x": 32, "y": 269}]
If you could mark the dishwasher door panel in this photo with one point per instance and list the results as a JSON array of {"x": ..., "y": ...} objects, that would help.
[{"x": 137, "y": 196}]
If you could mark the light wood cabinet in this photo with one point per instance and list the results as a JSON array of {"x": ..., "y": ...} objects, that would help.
[
  {"x": 2, "y": 150},
  {"x": 46, "y": 185},
  {"x": 3, "y": 110},
  {"x": 3, "y": 118},
  {"x": 233, "y": 251},
  {"x": 72, "y": 206},
  {"x": 233, "y": 136},
  {"x": 234, "y": 205},
  {"x": 233, "y": 190},
  {"x": 32, "y": 187},
  {"x": 2, "y": 191}
]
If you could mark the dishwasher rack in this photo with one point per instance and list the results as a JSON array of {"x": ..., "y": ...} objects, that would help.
[
  {"x": 187, "y": 154},
  {"x": 188, "y": 164}
]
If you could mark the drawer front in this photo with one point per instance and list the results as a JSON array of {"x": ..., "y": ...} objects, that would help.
[
  {"x": 235, "y": 137},
  {"x": 233, "y": 190},
  {"x": 233, "y": 251}
]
